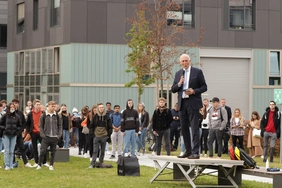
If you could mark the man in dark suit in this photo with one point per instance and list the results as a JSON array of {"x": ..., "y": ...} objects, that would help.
[{"x": 190, "y": 83}]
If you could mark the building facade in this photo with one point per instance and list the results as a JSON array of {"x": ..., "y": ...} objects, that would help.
[
  {"x": 3, "y": 48},
  {"x": 74, "y": 51}
]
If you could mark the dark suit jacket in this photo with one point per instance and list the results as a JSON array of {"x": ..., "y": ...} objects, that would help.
[
  {"x": 229, "y": 114},
  {"x": 196, "y": 82}
]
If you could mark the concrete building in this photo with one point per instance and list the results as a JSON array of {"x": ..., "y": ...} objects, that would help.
[
  {"x": 73, "y": 51},
  {"x": 3, "y": 48}
]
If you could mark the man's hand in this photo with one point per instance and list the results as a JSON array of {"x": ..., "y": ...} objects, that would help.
[
  {"x": 189, "y": 91},
  {"x": 181, "y": 81}
]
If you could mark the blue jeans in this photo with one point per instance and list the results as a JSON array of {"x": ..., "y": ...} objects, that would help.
[
  {"x": 129, "y": 139},
  {"x": 143, "y": 136},
  {"x": 75, "y": 132},
  {"x": 9, "y": 146},
  {"x": 66, "y": 138},
  {"x": 138, "y": 142},
  {"x": 1, "y": 144}
]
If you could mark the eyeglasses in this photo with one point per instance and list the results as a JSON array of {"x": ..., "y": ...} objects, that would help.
[{"x": 185, "y": 60}]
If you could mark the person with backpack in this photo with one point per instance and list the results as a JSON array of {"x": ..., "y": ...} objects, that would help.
[
  {"x": 117, "y": 137},
  {"x": 10, "y": 124},
  {"x": 50, "y": 132},
  {"x": 161, "y": 121},
  {"x": 102, "y": 127},
  {"x": 270, "y": 129},
  {"x": 217, "y": 123}
]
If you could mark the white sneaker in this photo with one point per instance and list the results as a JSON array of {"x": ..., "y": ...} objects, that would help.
[
  {"x": 201, "y": 155},
  {"x": 7, "y": 168},
  {"x": 126, "y": 154},
  {"x": 35, "y": 165},
  {"x": 97, "y": 160},
  {"x": 3, "y": 151},
  {"x": 181, "y": 153},
  {"x": 46, "y": 164},
  {"x": 28, "y": 165},
  {"x": 38, "y": 167},
  {"x": 90, "y": 159},
  {"x": 205, "y": 155},
  {"x": 153, "y": 153},
  {"x": 85, "y": 155},
  {"x": 51, "y": 167},
  {"x": 137, "y": 153},
  {"x": 108, "y": 152},
  {"x": 262, "y": 156}
]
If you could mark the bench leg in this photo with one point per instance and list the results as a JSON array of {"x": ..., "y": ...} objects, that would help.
[
  {"x": 223, "y": 180},
  {"x": 277, "y": 181}
]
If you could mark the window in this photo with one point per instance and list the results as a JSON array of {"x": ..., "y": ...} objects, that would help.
[
  {"x": 241, "y": 14},
  {"x": 55, "y": 12},
  {"x": 20, "y": 16},
  {"x": 37, "y": 73},
  {"x": 181, "y": 13},
  {"x": 35, "y": 14},
  {"x": 274, "y": 68},
  {"x": 3, "y": 36}
]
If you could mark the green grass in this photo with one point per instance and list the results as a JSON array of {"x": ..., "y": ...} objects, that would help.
[{"x": 76, "y": 174}]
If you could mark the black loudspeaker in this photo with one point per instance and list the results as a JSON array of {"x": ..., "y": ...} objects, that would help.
[{"x": 128, "y": 166}]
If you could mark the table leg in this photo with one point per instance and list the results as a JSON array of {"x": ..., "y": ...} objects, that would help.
[
  {"x": 161, "y": 169},
  {"x": 227, "y": 174}
]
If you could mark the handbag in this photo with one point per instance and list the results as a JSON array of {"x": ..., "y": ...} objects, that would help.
[
  {"x": 85, "y": 130},
  {"x": 256, "y": 133}
]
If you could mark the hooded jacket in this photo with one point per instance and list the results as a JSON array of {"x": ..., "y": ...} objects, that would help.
[
  {"x": 101, "y": 125},
  {"x": 129, "y": 119},
  {"x": 276, "y": 118}
]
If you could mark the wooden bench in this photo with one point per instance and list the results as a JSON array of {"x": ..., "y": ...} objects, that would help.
[
  {"x": 259, "y": 172},
  {"x": 190, "y": 169}
]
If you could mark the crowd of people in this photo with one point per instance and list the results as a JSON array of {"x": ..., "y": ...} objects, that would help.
[{"x": 197, "y": 123}]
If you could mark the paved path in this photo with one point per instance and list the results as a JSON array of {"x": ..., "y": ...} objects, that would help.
[{"x": 144, "y": 160}]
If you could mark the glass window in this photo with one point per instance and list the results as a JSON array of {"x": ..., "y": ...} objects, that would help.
[
  {"x": 182, "y": 12},
  {"x": 38, "y": 62},
  {"x": 21, "y": 17},
  {"x": 3, "y": 36},
  {"x": 242, "y": 14},
  {"x": 55, "y": 12},
  {"x": 27, "y": 63},
  {"x": 32, "y": 62},
  {"x": 21, "y": 64},
  {"x": 274, "y": 66},
  {"x": 50, "y": 60},
  {"x": 35, "y": 14}
]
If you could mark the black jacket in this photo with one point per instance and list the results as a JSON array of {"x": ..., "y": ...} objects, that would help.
[
  {"x": 264, "y": 120},
  {"x": 29, "y": 122},
  {"x": 161, "y": 121},
  {"x": 10, "y": 125},
  {"x": 129, "y": 119}
]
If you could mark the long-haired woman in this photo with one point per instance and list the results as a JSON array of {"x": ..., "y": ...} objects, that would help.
[
  {"x": 237, "y": 124},
  {"x": 10, "y": 124}
]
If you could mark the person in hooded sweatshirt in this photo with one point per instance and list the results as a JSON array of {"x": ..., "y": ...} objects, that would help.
[
  {"x": 101, "y": 126},
  {"x": 10, "y": 124},
  {"x": 129, "y": 128},
  {"x": 161, "y": 121}
]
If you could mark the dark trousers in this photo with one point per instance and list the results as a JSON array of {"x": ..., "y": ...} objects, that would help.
[
  {"x": 190, "y": 118},
  {"x": 99, "y": 141},
  {"x": 46, "y": 142},
  {"x": 240, "y": 139},
  {"x": 174, "y": 134},
  {"x": 215, "y": 134},
  {"x": 226, "y": 138},
  {"x": 90, "y": 141},
  {"x": 20, "y": 146},
  {"x": 86, "y": 143},
  {"x": 35, "y": 139},
  {"x": 204, "y": 140},
  {"x": 81, "y": 140},
  {"x": 163, "y": 134}
]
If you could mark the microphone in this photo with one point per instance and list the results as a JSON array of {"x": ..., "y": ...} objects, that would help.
[{"x": 183, "y": 73}]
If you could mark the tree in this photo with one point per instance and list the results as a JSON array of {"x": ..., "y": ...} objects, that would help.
[
  {"x": 140, "y": 58},
  {"x": 164, "y": 43}
]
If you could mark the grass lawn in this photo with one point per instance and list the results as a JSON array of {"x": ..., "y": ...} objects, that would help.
[{"x": 76, "y": 174}]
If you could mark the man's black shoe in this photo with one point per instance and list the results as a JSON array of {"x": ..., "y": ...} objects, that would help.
[
  {"x": 184, "y": 155},
  {"x": 194, "y": 156}
]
